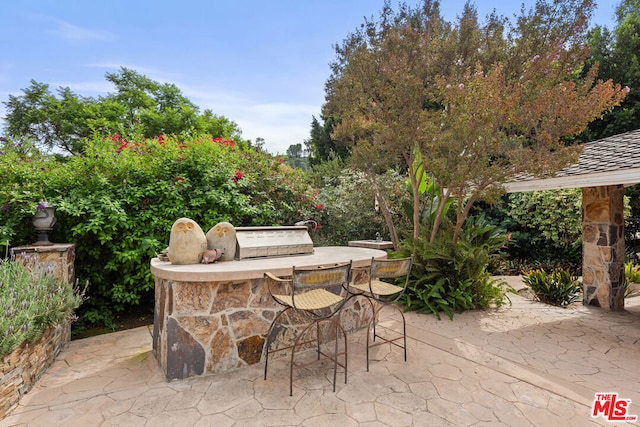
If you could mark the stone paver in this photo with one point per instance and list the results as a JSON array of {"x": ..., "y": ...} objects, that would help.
[{"x": 527, "y": 364}]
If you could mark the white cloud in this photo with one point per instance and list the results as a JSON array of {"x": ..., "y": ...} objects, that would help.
[
  {"x": 278, "y": 137},
  {"x": 152, "y": 73},
  {"x": 280, "y": 124},
  {"x": 282, "y": 109},
  {"x": 75, "y": 35}
]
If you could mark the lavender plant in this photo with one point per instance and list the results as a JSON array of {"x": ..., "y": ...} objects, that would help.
[{"x": 31, "y": 299}]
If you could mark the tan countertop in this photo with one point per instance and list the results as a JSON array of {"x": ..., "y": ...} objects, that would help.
[
  {"x": 372, "y": 244},
  {"x": 255, "y": 268}
]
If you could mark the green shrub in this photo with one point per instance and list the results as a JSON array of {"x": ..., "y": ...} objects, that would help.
[
  {"x": 541, "y": 225},
  {"x": 515, "y": 267},
  {"x": 631, "y": 275},
  {"x": 345, "y": 207},
  {"x": 632, "y": 272},
  {"x": 32, "y": 299},
  {"x": 23, "y": 176},
  {"x": 441, "y": 296},
  {"x": 545, "y": 228},
  {"x": 452, "y": 277},
  {"x": 548, "y": 224},
  {"x": 117, "y": 203},
  {"x": 559, "y": 287}
]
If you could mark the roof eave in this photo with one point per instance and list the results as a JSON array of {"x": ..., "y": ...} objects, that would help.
[{"x": 601, "y": 179}]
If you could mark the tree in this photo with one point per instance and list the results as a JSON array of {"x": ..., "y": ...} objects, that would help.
[
  {"x": 139, "y": 106},
  {"x": 62, "y": 121},
  {"x": 476, "y": 105},
  {"x": 295, "y": 157},
  {"x": 618, "y": 54},
  {"x": 295, "y": 150},
  {"x": 320, "y": 145},
  {"x": 377, "y": 90}
]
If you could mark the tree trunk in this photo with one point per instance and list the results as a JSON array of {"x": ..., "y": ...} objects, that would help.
[
  {"x": 415, "y": 191},
  {"x": 384, "y": 208},
  {"x": 444, "y": 196},
  {"x": 462, "y": 215}
]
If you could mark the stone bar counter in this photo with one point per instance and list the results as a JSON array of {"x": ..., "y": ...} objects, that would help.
[{"x": 214, "y": 317}]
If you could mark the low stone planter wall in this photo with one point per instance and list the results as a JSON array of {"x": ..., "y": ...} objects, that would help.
[{"x": 21, "y": 368}]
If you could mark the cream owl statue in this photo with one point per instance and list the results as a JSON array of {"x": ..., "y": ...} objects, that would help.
[
  {"x": 187, "y": 242},
  {"x": 223, "y": 237}
]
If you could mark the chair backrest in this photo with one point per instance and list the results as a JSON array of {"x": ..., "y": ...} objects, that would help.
[
  {"x": 321, "y": 277},
  {"x": 388, "y": 268}
]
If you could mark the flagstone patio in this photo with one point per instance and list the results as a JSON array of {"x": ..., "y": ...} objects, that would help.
[{"x": 527, "y": 364}]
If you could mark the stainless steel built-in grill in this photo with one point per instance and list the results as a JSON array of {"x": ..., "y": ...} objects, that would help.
[{"x": 256, "y": 242}]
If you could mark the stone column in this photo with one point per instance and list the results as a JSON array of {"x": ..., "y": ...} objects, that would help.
[
  {"x": 60, "y": 257},
  {"x": 603, "y": 246}
]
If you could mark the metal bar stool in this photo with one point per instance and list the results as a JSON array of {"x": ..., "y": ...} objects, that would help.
[
  {"x": 317, "y": 295},
  {"x": 381, "y": 294}
]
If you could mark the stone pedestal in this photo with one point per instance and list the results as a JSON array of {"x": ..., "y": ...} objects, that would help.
[
  {"x": 60, "y": 257},
  {"x": 603, "y": 246}
]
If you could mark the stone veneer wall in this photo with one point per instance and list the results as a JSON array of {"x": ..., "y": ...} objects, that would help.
[
  {"x": 21, "y": 368},
  {"x": 204, "y": 327},
  {"x": 60, "y": 257},
  {"x": 603, "y": 246}
]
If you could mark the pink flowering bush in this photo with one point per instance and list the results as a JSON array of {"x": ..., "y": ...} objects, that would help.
[{"x": 117, "y": 203}]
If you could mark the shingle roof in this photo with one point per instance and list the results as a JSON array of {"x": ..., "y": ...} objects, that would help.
[{"x": 607, "y": 161}]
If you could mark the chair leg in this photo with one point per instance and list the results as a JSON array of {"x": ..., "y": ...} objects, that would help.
[
  {"x": 296, "y": 343},
  {"x": 374, "y": 329},
  {"x": 368, "y": 348},
  {"x": 339, "y": 329},
  {"x": 318, "y": 339},
  {"x": 373, "y": 314},
  {"x": 266, "y": 364},
  {"x": 293, "y": 354},
  {"x": 335, "y": 359},
  {"x": 268, "y": 341},
  {"x": 372, "y": 325},
  {"x": 293, "y": 351},
  {"x": 404, "y": 331},
  {"x": 346, "y": 352},
  {"x": 369, "y": 327}
]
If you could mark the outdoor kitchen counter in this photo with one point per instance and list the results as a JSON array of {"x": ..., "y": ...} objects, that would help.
[
  {"x": 254, "y": 268},
  {"x": 214, "y": 317}
]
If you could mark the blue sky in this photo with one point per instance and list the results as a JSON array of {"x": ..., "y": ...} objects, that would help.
[{"x": 260, "y": 63}]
